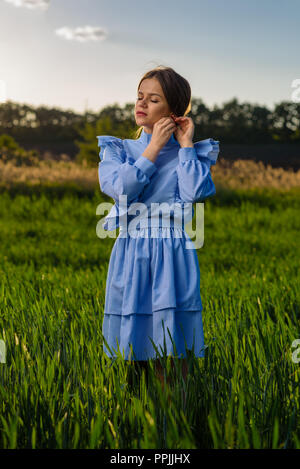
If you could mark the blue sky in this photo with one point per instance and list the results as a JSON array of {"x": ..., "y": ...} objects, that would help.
[{"x": 224, "y": 48}]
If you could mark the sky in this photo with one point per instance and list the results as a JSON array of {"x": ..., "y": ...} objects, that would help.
[{"x": 86, "y": 54}]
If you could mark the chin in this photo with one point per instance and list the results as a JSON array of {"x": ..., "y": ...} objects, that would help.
[
  {"x": 140, "y": 122},
  {"x": 140, "y": 118}
]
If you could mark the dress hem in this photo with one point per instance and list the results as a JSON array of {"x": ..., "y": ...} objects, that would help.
[{"x": 178, "y": 308}]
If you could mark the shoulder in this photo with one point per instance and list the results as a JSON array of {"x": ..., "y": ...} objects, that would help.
[
  {"x": 208, "y": 148},
  {"x": 104, "y": 140},
  {"x": 114, "y": 143}
]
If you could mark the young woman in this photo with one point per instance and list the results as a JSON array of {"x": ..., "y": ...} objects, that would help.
[{"x": 153, "y": 280}]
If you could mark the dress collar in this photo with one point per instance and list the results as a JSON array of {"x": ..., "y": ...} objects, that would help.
[{"x": 145, "y": 138}]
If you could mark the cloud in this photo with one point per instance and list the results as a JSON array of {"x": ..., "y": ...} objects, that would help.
[
  {"x": 44, "y": 4},
  {"x": 82, "y": 33}
]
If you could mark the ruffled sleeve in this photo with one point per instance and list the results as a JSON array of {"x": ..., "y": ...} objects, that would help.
[
  {"x": 193, "y": 170},
  {"x": 121, "y": 175}
]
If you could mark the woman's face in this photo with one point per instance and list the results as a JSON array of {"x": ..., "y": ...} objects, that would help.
[{"x": 152, "y": 102}]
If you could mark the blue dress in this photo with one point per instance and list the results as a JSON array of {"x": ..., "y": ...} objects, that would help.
[{"x": 153, "y": 279}]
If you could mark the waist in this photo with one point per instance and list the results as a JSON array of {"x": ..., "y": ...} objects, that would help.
[
  {"x": 141, "y": 223},
  {"x": 168, "y": 216}
]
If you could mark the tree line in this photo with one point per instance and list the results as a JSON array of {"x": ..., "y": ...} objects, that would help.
[{"x": 231, "y": 122}]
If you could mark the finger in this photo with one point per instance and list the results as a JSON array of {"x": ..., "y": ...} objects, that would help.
[
  {"x": 161, "y": 121},
  {"x": 168, "y": 123},
  {"x": 172, "y": 124},
  {"x": 170, "y": 120},
  {"x": 184, "y": 124},
  {"x": 166, "y": 119}
]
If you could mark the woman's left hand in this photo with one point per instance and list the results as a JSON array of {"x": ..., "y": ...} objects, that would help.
[{"x": 185, "y": 130}]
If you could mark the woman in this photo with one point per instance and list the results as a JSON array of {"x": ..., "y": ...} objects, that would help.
[{"x": 153, "y": 280}]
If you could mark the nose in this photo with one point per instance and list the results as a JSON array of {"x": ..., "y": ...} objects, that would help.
[{"x": 142, "y": 102}]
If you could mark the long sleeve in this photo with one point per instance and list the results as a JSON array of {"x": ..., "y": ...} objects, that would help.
[
  {"x": 121, "y": 176},
  {"x": 193, "y": 170}
]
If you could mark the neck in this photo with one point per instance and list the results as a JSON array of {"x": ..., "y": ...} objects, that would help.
[{"x": 147, "y": 129}]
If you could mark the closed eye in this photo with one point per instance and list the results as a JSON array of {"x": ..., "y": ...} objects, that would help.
[{"x": 151, "y": 100}]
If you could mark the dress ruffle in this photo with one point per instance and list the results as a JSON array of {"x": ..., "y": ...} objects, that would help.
[
  {"x": 208, "y": 148},
  {"x": 138, "y": 330},
  {"x": 104, "y": 140}
]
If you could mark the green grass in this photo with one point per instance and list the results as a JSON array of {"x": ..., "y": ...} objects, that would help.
[{"x": 58, "y": 389}]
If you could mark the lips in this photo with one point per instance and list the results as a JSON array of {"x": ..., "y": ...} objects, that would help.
[{"x": 140, "y": 113}]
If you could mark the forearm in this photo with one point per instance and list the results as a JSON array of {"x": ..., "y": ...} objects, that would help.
[{"x": 151, "y": 152}]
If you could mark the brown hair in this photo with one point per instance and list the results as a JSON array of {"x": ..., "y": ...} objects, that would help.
[{"x": 176, "y": 89}]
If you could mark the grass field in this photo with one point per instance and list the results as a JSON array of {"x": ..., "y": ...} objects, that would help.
[{"x": 58, "y": 389}]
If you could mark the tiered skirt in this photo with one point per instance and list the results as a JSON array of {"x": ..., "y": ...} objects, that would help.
[{"x": 152, "y": 298}]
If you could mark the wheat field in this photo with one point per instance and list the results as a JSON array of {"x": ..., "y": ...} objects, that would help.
[{"x": 57, "y": 387}]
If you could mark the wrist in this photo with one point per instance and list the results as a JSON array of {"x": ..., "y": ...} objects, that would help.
[
  {"x": 154, "y": 147},
  {"x": 151, "y": 152},
  {"x": 187, "y": 144}
]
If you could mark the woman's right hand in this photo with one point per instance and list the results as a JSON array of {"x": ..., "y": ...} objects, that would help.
[{"x": 162, "y": 131}]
